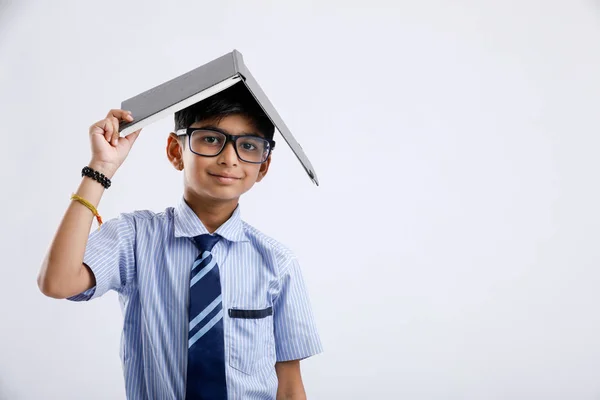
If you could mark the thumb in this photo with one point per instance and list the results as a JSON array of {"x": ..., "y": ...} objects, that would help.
[{"x": 132, "y": 137}]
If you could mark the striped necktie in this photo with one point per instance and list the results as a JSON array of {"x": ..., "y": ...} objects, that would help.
[{"x": 206, "y": 343}]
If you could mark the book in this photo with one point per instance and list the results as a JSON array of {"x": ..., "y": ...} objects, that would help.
[{"x": 199, "y": 84}]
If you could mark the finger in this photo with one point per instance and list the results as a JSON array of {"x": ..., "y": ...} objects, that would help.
[
  {"x": 107, "y": 126},
  {"x": 115, "y": 134},
  {"x": 121, "y": 115},
  {"x": 97, "y": 128}
]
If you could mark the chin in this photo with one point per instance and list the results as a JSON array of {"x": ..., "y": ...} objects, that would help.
[{"x": 222, "y": 193}]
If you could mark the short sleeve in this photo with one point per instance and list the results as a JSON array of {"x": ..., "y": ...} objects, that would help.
[
  {"x": 110, "y": 254},
  {"x": 296, "y": 335}
]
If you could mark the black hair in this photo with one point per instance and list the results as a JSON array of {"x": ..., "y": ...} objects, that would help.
[{"x": 235, "y": 100}]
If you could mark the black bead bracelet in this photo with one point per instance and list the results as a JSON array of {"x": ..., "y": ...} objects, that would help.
[{"x": 97, "y": 176}]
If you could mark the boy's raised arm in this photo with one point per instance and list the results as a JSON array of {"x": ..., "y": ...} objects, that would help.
[{"x": 63, "y": 273}]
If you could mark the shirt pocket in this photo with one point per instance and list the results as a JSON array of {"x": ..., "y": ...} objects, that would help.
[{"x": 251, "y": 337}]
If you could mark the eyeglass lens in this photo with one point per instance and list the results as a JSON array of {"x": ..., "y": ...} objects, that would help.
[{"x": 210, "y": 143}]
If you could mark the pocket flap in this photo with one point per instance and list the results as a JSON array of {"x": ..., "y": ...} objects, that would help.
[{"x": 250, "y": 314}]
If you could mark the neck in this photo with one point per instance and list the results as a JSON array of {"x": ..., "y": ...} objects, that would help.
[{"x": 213, "y": 214}]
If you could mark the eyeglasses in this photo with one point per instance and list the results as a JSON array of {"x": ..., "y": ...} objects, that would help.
[{"x": 211, "y": 142}]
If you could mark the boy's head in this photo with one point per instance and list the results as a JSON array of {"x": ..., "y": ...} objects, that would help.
[{"x": 211, "y": 173}]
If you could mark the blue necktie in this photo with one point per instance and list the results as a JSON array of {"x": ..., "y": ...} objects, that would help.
[{"x": 206, "y": 344}]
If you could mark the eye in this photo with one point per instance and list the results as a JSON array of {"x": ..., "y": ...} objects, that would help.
[
  {"x": 248, "y": 146},
  {"x": 251, "y": 144},
  {"x": 207, "y": 138}
]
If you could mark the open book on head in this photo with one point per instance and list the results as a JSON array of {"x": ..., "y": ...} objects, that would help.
[{"x": 199, "y": 84}]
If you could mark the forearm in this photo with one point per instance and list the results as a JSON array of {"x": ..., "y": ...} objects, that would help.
[
  {"x": 291, "y": 396},
  {"x": 289, "y": 377},
  {"x": 62, "y": 273}
]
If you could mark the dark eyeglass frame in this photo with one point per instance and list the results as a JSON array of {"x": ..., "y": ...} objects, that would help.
[{"x": 228, "y": 138}]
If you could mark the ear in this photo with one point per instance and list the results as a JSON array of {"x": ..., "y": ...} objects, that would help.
[
  {"x": 264, "y": 168},
  {"x": 175, "y": 151}
]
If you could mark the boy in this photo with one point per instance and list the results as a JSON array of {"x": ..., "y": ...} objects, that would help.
[{"x": 213, "y": 309}]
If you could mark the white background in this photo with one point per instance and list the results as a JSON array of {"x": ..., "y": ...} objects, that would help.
[{"x": 452, "y": 249}]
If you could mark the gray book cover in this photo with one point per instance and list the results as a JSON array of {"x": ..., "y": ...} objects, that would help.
[{"x": 198, "y": 84}]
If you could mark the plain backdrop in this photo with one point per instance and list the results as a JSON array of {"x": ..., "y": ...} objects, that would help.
[{"x": 452, "y": 250}]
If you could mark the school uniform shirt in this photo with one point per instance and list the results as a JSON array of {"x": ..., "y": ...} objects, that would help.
[{"x": 147, "y": 257}]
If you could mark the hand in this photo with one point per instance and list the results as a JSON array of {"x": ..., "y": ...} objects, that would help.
[{"x": 109, "y": 150}]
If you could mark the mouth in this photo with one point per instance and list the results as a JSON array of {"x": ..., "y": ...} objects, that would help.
[{"x": 225, "y": 178}]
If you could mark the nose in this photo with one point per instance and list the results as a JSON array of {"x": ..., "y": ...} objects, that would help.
[{"x": 228, "y": 156}]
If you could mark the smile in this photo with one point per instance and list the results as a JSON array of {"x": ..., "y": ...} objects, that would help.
[{"x": 225, "y": 178}]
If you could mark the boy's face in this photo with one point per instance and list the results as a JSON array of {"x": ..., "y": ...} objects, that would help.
[{"x": 223, "y": 178}]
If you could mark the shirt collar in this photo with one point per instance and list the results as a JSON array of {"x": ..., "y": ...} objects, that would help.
[{"x": 187, "y": 224}]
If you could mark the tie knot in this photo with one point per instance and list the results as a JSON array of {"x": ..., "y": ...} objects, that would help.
[{"x": 206, "y": 242}]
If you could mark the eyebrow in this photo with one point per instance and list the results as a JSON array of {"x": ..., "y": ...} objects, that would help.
[{"x": 215, "y": 128}]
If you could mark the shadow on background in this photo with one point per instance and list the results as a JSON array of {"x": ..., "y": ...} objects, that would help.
[
  {"x": 8, "y": 11},
  {"x": 5, "y": 392}
]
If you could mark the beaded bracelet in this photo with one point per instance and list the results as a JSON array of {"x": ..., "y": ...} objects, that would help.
[{"x": 97, "y": 176}]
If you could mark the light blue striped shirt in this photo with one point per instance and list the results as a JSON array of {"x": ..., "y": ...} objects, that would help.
[{"x": 147, "y": 258}]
